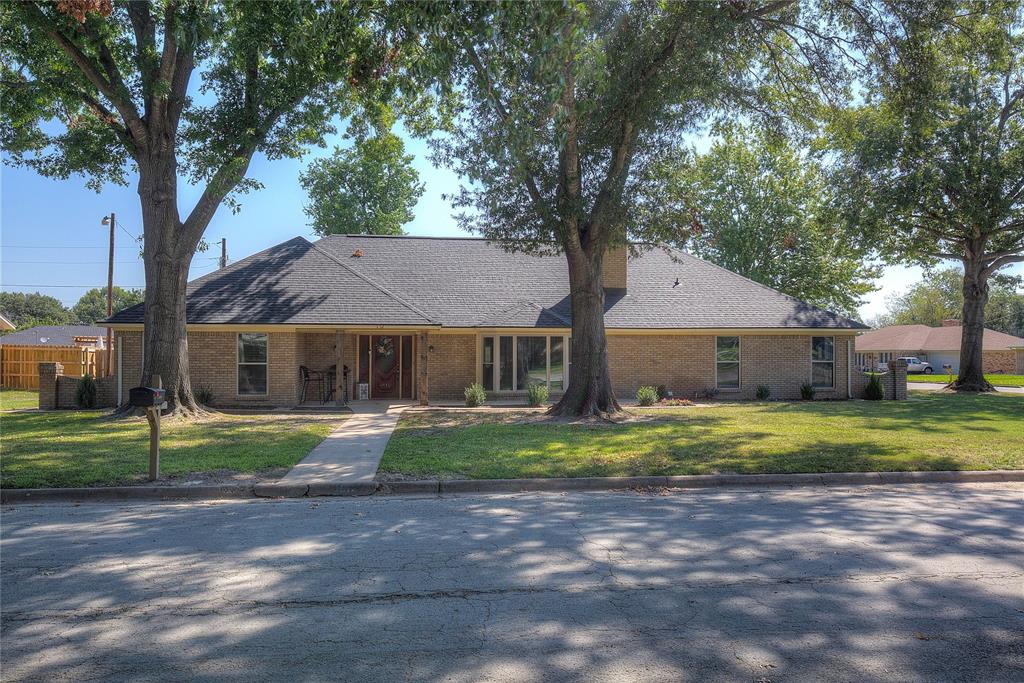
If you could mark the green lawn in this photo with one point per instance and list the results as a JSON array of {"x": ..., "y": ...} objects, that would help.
[
  {"x": 928, "y": 432},
  {"x": 994, "y": 380},
  {"x": 87, "y": 449},
  {"x": 13, "y": 399}
]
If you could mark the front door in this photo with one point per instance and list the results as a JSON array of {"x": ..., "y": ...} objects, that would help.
[
  {"x": 386, "y": 365},
  {"x": 386, "y": 369}
]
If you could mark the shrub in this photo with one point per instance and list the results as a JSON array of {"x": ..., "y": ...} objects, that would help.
[
  {"x": 475, "y": 395},
  {"x": 874, "y": 391},
  {"x": 662, "y": 392},
  {"x": 646, "y": 396},
  {"x": 807, "y": 392},
  {"x": 85, "y": 392},
  {"x": 203, "y": 395},
  {"x": 676, "y": 402},
  {"x": 764, "y": 392},
  {"x": 537, "y": 394},
  {"x": 707, "y": 392}
]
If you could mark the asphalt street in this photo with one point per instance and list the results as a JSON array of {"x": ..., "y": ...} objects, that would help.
[{"x": 895, "y": 583}]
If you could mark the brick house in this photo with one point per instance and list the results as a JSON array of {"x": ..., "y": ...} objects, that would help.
[
  {"x": 938, "y": 346},
  {"x": 420, "y": 317}
]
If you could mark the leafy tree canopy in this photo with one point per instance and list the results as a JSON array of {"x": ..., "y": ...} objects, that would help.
[
  {"x": 92, "y": 307},
  {"x": 560, "y": 111},
  {"x": 369, "y": 188},
  {"x": 939, "y": 296},
  {"x": 29, "y": 310},
  {"x": 171, "y": 89},
  {"x": 933, "y": 161},
  {"x": 756, "y": 205}
]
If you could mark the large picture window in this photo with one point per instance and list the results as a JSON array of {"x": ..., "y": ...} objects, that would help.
[
  {"x": 823, "y": 366},
  {"x": 514, "y": 362},
  {"x": 252, "y": 364},
  {"x": 727, "y": 362}
]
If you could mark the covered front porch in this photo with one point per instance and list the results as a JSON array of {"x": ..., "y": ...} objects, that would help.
[{"x": 337, "y": 366}]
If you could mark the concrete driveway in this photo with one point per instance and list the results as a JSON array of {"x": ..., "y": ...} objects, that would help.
[{"x": 913, "y": 583}]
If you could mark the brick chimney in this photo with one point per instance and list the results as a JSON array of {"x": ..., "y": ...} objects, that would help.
[
  {"x": 613, "y": 269},
  {"x": 951, "y": 322}
]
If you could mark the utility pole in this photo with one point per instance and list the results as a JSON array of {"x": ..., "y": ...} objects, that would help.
[
  {"x": 110, "y": 220},
  {"x": 223, "y": 252}
]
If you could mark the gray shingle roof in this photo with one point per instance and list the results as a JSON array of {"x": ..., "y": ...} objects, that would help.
[
  {"x": 52, "y": 335},
  {"x": 460, "y": 282}
]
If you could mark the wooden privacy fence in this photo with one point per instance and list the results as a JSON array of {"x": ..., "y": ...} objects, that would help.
[{"x": 19, "y": 365}]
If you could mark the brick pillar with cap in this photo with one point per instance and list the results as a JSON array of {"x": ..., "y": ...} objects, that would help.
[
  {"x": 48, "y": 374},
  {"x": 898, "y": 379}
]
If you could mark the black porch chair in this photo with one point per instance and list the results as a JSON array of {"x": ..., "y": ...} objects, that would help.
[
  {"x": 311, "y": 377},
  {"x": 332, "y": 373}
]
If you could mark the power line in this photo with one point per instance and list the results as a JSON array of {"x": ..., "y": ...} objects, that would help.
[
  {"x": 62, "y": 246},
  {"x": 92, "y": 286},
  {"x": 70, "y": 263}
]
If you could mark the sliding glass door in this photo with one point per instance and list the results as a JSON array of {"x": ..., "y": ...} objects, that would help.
[{"x": 514, "y": 362}]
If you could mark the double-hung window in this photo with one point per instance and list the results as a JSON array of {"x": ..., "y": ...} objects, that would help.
[
  {"x": 252, "y": 364},
  {"x": 727, "y": 362},
  {"x": 514, "y": 362},
  {"x": 823, "y": 365}
]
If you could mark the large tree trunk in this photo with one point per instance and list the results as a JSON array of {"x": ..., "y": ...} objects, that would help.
[
  {"x": 590, "y": 389},
  {"x": 168, "y": 255},
  {"x": 975, "y": 289}
]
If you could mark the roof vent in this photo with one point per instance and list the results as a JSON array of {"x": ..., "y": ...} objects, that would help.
[
  {"x": 357, "y": 253},
  {"x": 951, "y": 322}
]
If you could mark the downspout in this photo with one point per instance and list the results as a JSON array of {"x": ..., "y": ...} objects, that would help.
[{"x": 849, "y": 364}]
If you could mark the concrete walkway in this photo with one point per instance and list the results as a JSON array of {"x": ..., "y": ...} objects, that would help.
[
  {"x": 932, "y": 386},
  {"x": 351, "y": 452}
]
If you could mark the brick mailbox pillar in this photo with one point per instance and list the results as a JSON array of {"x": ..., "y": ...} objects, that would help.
[
  {"x": 897, "y": 388},
  {"x": 48, "y": 374}
]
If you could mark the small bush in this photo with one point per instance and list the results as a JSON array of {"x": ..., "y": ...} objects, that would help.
[
  {"x": 646, "y": 396},
  {"x": 764, "y": 392},
  {"x": 874, "y": 391},
  {"x": 807, "y": 392},
  {"x": 203, "y": 395},
  {"x": 537, "y": 394},
  {"x": 475, "y": 395},
  {"x": 676, "y": 402},
  {"x": 707, "y": 392},
  {"x": 85, "y": 392},
  {"x": 662, "y": 392}
]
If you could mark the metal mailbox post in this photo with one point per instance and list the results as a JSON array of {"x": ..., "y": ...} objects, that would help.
[{"x": 153, "y": 399}]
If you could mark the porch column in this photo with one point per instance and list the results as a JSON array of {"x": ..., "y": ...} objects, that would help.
[
  {"x": 339, "y": 370},
  {"x": 422, "y": 389}
]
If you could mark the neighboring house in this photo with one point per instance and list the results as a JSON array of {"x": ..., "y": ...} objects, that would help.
[
  {"x": 76, "y": 347},
  {"x": 57, "y": 335},
  {"x": 938, "y": 346},
  {"x": 5, "y": 324},
  {"x": 420, "y": 317}
]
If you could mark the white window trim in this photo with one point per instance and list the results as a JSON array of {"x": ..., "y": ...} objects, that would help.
[
  {"x": 238, "y": 363},
  {"x": 810, "y": 354},
  {"x": 496, "y": 362},
  {"x": 739, "y": 383}
]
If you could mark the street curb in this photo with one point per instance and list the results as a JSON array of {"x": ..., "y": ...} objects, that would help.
[
  {"x": 113, "y": 493},
  {"x": 440, "y": 487}
]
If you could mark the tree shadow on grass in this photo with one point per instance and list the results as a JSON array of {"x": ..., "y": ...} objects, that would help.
[{"x": 753, "y": 585}]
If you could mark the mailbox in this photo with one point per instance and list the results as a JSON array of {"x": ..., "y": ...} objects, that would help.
[{"x": 147, "y": 397}]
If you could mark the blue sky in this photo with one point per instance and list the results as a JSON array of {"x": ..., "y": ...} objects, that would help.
[{"x": 51, "y": 239}]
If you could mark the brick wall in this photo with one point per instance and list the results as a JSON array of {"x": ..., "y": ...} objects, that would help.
[
  {"x": 613, "y": 268},
  {"x": 213, "y": 364},
  {"x": 999, "y": 361},
  {"x": 451, "y": 366},
  {"x": 685, "y": 364},
  {"x": 57, "y": 390}
]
